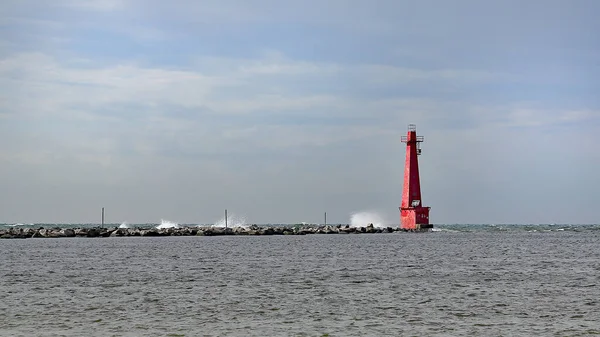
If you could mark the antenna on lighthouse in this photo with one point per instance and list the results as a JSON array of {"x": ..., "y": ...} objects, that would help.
[{"x": 413, "y": 215}]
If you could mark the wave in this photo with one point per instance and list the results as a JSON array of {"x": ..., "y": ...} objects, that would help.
[
  {"x": 365, "y": 218},
  {"x": 167, "y": 224},
  {"x": 232, "y": 221}
]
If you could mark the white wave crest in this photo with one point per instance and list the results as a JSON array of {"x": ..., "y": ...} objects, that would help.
[
  {"x": 167, "y": 224},
  {"x": 365, "y": 218},
  {"x": 232, "y": 221}
]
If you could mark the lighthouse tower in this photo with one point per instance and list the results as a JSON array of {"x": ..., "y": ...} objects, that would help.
[{"x": 413, "y": 215}]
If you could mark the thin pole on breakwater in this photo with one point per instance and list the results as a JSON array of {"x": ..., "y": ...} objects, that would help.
[
  {"x": 225, "y": 218},
  {"x": 102, "y": 217},
  {"x": 325, "y": 218}
]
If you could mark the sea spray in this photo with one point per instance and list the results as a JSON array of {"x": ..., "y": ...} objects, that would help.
[
  {"x": 167, "y": 224},
  {"x": 124, "y": 225},
  {"x": 362, "y": 219},
  {"x": 232, "y": 221}
]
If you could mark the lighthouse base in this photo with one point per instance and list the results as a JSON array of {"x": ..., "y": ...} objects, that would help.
[{"x": 415, "y": 219}]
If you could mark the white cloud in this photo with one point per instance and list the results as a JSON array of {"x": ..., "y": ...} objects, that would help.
[
  {"x": 525, "y": 115},
  {"x": 265, "y": 130},
  {"x": 386, "y": 74},
  {"x": 58, "y": 87},
  {"x": 279, "y": 103},
  {"x": 70, "y": 92},
  {"x": 95, "y": 5},
  {"x": 52, "y": 88},
  {"x": 78, "y": 97}
]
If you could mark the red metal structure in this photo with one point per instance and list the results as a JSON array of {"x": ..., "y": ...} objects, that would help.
[{"x": 413, "y": 215}]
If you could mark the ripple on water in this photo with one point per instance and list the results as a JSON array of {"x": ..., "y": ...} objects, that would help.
[{"x": 470, "y": 283}]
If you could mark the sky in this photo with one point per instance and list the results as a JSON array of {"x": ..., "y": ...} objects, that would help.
[{"x": 280, "y": 111}]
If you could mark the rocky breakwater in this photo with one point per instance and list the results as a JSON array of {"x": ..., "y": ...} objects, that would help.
[{"x": 97, "y": 232}]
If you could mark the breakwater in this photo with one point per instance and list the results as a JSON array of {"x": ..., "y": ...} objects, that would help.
[{"x": 98, "y": 232}]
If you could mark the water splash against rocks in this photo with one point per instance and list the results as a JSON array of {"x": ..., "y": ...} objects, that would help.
[
  {"x": 232, "y": 221},
  {"x": 362, "y": 219},
  {"x": 167, "y": 224}
]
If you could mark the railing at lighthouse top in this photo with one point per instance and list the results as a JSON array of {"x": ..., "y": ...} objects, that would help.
[
  {"x": 417, "y": 139},
  {"x": 412, "y": 128}
]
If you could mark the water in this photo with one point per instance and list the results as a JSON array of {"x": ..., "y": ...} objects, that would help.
[
  {"x": 473, "y": 282},
  {"x": 232, "y": 221},
  {"x": 167, "y": 224},
  {"x": 361, "y": 219}
]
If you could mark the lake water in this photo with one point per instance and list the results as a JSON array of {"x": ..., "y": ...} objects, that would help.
[{"x": 446, "y": 283}]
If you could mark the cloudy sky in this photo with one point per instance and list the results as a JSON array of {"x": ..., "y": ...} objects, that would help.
[{"x": 282, "y": 110}]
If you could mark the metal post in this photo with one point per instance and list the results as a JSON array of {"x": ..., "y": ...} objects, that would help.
[
  {"x": 325, "y": 218},
  {"x": 225, "y": 218},
  {"x": 102, "y": 217}
]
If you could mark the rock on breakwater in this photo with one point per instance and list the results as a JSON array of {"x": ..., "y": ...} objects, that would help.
[{"x": 96, "y": 232}]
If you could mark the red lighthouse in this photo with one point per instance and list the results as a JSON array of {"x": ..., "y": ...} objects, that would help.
[{"x": 413, "y": 215}]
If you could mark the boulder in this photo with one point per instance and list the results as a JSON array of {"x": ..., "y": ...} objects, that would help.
[
  {"x": 92, "y": 233},
  {"x": 133, "y": 232},
  {"x": 119, "y": 232},
  {"x": 67, "y": 232},
  {"x": 149, "y": 232}
]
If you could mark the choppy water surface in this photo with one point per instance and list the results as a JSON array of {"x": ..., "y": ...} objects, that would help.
[{"x": 473, "y": 283}]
